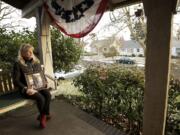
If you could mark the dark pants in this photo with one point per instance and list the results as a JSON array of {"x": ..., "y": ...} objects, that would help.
[{"x": 43, "y": 99}]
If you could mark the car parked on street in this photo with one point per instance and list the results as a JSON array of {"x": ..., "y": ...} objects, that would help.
[{"x": 125, "y": 61}]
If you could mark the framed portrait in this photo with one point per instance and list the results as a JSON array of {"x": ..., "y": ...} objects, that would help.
[{"x": 36, "y": 80}]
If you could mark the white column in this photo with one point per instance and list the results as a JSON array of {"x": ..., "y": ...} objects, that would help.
[{"x": 44, "y": 42}]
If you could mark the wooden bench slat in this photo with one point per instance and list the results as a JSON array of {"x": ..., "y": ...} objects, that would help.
[
  {"x": 5, "y": 85},
  {"x": 10, "y": 81},
  {"x": 1, "y": 84}
]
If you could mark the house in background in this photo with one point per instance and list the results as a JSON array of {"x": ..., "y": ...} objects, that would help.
[
  {"x": 103, "y": 46},
  {"x": 123, "y": 47},
  {"x": 126, "y": 47},
  {"x": 131, "y": 47},
  {"x": 175, "y": 48}
]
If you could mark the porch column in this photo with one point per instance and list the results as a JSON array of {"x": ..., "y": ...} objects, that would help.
[
  {"x": 159, "y": 21},
  {"x": 44, "y": 41}
]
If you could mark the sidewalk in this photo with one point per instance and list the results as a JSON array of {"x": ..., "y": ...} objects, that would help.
[{"x": 67, "y": 120}]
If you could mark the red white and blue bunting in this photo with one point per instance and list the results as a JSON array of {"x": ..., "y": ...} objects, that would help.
[{"x": 76, "y": 18}]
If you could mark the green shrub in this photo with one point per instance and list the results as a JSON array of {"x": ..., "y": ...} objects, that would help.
[
  {"x": 133, "y": 55},
  {"x": 173, "y": 115},
  {"x": 5, "y": 66},
  {"x": 115, "y": 94},
  {"x": 111, "y": 53},
  {"x": 140, "y": 55},
  {"x": 66, "y": 51}
]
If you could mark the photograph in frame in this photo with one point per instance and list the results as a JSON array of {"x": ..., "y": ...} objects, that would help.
[{"x": 35, "y": 80}]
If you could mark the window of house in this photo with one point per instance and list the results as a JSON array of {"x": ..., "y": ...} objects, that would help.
[
  {"x": 177, "y": 49},
  {"x": 122, "y": 49},
  {"x": 178, "y": 53},
  {"x": 138, "y": 50}
]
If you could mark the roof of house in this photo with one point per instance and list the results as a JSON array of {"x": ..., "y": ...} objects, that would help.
[
  {"x": 20, "y": 4},
  {"x": 126, "y": 43},
  {"x": 103, "y": 42},
  {"x": 130, "y": 44},
  {"x": 134, "y": 44},
  {"x": 176, "y": 43}
]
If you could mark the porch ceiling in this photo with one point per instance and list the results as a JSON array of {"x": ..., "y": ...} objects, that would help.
[
  {"x": 120, "y": 3},
  {"x": 20, "y": 4}
]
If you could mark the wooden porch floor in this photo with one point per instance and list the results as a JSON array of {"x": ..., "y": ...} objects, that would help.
[{"x": 67, "y": 120}]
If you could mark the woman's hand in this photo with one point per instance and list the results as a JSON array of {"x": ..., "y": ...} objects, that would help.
[
  {"x": 46, "y": 84},
  {"x": 31, "y": 91}
]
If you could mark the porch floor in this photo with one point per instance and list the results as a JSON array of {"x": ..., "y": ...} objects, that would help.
[{"x": 66, "y": 120}]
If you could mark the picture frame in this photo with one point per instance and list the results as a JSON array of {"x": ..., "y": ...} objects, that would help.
[{"x": 35, "y": 80}]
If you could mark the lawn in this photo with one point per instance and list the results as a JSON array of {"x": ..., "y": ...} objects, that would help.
[{"x": 66, "y": 87}]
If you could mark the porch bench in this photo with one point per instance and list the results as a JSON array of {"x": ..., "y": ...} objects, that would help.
[{"x": 10, "y": 97}]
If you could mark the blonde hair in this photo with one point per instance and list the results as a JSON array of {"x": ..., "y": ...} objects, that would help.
[{"x": 24, "y": 48}]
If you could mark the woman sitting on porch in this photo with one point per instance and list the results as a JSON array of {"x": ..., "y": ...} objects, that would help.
[{"x": 27, "y": 71}]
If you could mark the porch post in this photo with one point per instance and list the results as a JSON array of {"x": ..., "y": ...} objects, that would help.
[
  {"x": 44, "y": 41},
  {"x": 159, "y": 21}
]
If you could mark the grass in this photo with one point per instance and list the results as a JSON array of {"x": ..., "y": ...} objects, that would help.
[{"x": 66, "y": 87}]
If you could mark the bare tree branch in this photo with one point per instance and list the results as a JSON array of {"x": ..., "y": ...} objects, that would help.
[{"x": 5, "y": 14}]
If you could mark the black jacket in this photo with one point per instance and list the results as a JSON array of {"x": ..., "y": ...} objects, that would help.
[{"x": 19, "y": 72}]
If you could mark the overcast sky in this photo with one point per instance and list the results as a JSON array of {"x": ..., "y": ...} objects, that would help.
[{"x": 31, "y": 24}]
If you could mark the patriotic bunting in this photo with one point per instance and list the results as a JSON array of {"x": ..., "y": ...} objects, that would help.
[{"x": 76, "y": 18}]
